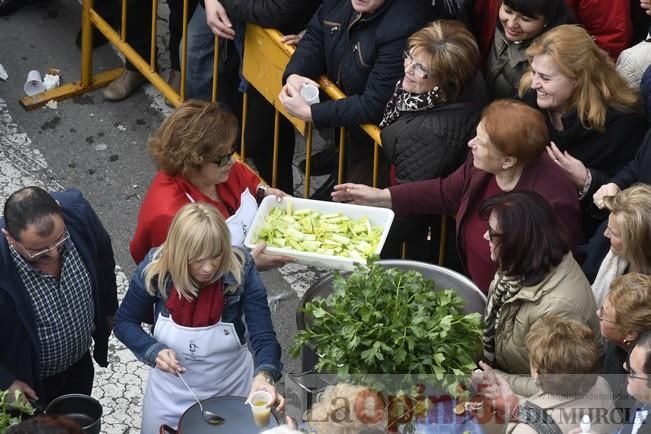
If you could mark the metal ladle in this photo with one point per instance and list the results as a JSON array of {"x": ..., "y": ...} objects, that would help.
[{"x": 208, "y": 416}]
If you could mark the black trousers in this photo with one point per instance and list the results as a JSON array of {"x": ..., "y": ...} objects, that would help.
[{"x": 78, "y": 378}]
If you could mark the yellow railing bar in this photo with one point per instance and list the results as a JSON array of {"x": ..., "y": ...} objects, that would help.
[
  {"x": 123, "y": 19},
  {"x": 184, "y": 50},
  {"x": 215, "y": 71},
  {"x": 245, "y": 113},
  {"x": 373, "y": 131},
  {"x": 274, "y": 169},
  {"x": 152, "y": 50},
  {"x": 86, "y": 44},
  {"x": 132, "y": 56},
  {"x": 443, "y": 238},
  {"x": 342, "y": 148},
  {"x": 308, "y": 160},
  {"x": 376, "y": 162}
]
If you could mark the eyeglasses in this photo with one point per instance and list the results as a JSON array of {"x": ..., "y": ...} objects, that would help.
[
  {"x": 602, "y": 316},
  {"x": 418, "y": 68},
  {"x": 46, "y": 252},
  {"x": 492, "y": 233},
  {"x": 223, "y": 161},
  {"x": 631, "y": 375}
]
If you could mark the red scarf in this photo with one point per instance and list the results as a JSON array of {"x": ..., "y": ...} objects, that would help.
[{"x": 204, "y": 310}]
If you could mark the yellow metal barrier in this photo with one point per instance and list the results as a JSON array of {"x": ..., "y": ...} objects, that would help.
[
  {"x": 91, "y": 82},
  {"x": 265, "y": 58}
]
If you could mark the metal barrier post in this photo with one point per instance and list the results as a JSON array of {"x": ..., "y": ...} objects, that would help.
[
  {"x": 308, "y": 159},
  {"x": 274, "y": 168},
  {"x": 376, "y": 162},
  {"x": 245, "y": 111},
  {"x": 86, "y": 44},
  {"x": 342, "y": 148},
  {"x": 184, "y": 50},
  {"x": 152, "y": 49},
  {"x": 215, "y": 69},
  {"x": 443, "y": 239}
]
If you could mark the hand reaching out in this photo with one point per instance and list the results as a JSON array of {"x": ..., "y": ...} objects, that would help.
[
  {"x": 361, "y": 194},
  {"x": 23, "y": 387},
  {"x": 292, "y": 40},
  {"x": 265, "y": 261}
]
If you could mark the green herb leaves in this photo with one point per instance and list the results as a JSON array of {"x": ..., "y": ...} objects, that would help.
[
  {"x": 12, "y": 408},
  {"x": 387, "y": 321}
]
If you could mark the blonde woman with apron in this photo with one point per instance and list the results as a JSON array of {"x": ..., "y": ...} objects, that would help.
[{"x": 200, "y": 288}]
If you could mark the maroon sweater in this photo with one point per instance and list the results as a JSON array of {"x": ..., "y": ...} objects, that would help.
[{"x": 456, "y": 195}]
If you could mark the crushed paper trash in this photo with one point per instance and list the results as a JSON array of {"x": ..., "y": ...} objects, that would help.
[
  {"x": 52, "y": 104},
  {"x": 121, "y": 127},
  {"x": 3, "y": 73},
  {"x": 51, "y": 81}
]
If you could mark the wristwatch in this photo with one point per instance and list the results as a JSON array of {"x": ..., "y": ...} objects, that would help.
[{"x": 267, "y": 377}]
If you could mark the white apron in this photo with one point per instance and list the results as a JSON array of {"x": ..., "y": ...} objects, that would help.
[
  {"x": 240, "y": 222},
  {"x": 216, "y": 365}
]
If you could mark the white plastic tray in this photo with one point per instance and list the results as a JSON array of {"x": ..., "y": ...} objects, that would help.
[{"x": 377, "y": 216}]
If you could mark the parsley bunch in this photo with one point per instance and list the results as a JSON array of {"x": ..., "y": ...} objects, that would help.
[
  {"x": 13, "y": 409},
  {"x": 382, "y": 320}
]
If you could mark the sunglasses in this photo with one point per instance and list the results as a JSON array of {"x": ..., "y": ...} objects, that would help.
[
  {"x": 35, "y": 256},
  {"x": 223, "y": 161}
]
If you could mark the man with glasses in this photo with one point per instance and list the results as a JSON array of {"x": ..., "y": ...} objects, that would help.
[
  {"x": 638, "y": 367},
  {"x": 57, "y": 293}
]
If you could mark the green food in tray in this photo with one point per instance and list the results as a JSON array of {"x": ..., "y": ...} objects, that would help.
[{"x": 332, "y": 234}]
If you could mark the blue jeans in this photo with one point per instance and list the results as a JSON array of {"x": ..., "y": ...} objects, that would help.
[
  {"x": 200, "y": 57},
  {"x": 201, "y": 45}
]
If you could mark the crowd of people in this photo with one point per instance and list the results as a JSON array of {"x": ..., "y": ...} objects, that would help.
[{"x": 524, "y": 120}]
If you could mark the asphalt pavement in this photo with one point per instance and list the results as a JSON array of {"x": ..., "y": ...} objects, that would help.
[{"x": 100, "y": 148}]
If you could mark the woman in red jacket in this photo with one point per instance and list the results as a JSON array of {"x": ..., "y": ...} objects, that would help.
[
  {"x": 507, "y": 155},
  {"x": 193, "y": 149}
]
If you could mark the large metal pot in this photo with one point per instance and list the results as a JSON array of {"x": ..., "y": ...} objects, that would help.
[
  {"x": 238, "y": 418},
  {"x": 83, "y": 409}
]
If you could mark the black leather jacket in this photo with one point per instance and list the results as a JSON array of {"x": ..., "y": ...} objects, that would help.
[{"x": 362, "y": 54}]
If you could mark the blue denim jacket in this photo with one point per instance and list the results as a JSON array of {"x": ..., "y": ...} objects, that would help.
[{"x": 249, "y": 299}]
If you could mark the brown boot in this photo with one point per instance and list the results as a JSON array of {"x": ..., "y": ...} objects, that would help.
[
  {"x": 123, "y": 86},
  {"x": 174, "y": 80}
]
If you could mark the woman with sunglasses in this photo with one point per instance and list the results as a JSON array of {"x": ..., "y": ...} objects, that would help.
[
  {"x": 624, "y": 316},
  {"x": 193, "y": 150},
  {"x": 208, "y": 300},
  {"x": 536, "y": 276}
]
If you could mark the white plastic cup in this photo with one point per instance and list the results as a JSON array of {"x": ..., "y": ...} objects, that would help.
[
  {"x": 260, "y": 402},
  {"x": 34, "y": 84},
  {"x": 310, "y": 93}
]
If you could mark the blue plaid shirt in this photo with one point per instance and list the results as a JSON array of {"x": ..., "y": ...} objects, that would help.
[{"x": 63, "y": 307}]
